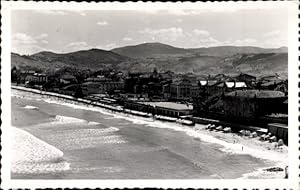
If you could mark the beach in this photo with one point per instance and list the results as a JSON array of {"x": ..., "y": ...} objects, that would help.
[{"x": 93, "y": 143}]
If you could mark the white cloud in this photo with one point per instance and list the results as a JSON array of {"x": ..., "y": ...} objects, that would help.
[
  {"x": 203, "y": 33},
  {"x": 41, "y": 36},
  {"x": 127, "y": 39},
  {"x": 22, "y": 38},
  {"x": 110, "y": 46},
  {"x": 179, "y": 20},
  {"x": 164, "y": 34},
  {"x": 272, "y": 33},
  {"x": 29, "y": 49},
  {"x": 242, "y": 42},
  {"x": 44, "y": 41},
  {"x": 102, "y": 23},
  {"x": 179, "y": 37},
  {"x": 75, "y": 46},
  {"x": 27, "y": 44},
  {"x": 275, "y": 38}
]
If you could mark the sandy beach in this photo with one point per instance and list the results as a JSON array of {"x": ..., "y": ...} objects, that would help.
[{"x": 228, "y": 143}]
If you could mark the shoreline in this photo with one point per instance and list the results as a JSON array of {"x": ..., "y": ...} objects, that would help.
[{"x": 243, "y": 145}]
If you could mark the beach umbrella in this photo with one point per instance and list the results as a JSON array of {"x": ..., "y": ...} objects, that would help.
[
  {"x": 227, "y": 129},
  {"x": 242, "y": 132},
  {"x": 208, "y": 126},
  {"x": 266, "y": 137},
  {"x": 247, "y": 133},
  {"x": 254, "y": 134},
  {"x": 262, "y": 137},
  {"x": 220, "y": 128},
  {"x": 273, "y": 139}
]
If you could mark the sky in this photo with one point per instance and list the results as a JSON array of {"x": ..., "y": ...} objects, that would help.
[{"x": 64, "y": 31}]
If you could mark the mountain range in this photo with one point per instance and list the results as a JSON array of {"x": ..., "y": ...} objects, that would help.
[{"x": 147, "y": 56}]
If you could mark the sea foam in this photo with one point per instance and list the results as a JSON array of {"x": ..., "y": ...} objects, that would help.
[
  {"x": 30, "y": 107},
  {"x": 60, "y": 120},
  {"x": 32, "y": 155}
]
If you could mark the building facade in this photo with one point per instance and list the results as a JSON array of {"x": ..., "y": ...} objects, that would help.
[
  {"x": 180, "y": 89},
  {"x": 36, "y": 78},
  {"x": 249, "y": 105},
  {"x": 101, "y": 87}
]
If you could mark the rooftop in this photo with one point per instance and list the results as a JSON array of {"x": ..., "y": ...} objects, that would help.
[
  {"x": 257, "y": 94},
  {"x": 170, "y": 105},
  {"x": 208, "y": 82},
  {"x": 233, "y": 84},
  {"x": 280, "y": 125}
]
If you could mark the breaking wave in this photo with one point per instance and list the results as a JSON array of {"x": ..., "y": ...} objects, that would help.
[
  {"x": 59, "y": 120},
  {"x": 32, "y": 155},
  {"x": 30, "y": 107}
]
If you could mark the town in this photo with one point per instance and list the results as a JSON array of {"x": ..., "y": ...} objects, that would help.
[{"x": 252, "y": 106}]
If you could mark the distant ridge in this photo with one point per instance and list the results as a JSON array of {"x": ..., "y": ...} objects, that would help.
[
  {"x": 158, "y": 49},
  {"x": 231, "y": 50},
  {"x": 147, "y": 56},
  {"x": 87, "y": 59},
  {"x": 149, "y": 50}
]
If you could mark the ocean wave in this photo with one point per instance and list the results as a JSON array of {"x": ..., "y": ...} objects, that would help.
[
  {"x": 31, "y": 107},
  {"x": 32, "y": 155},
  {"x": 60, "y": 120},
  {"x": 87, "y": 138}
]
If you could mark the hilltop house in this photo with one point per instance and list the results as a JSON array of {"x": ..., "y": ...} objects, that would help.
[
  {"x": 101, "y": 85},
  {"x": 37, "y": 78},
  {"x": 23, "y": 75}
]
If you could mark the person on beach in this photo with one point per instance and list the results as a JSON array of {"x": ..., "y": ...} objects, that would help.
[{"x": 242, "y": 148}]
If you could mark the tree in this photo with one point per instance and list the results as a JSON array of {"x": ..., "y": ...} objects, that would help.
[{"x": 78, "y": 93}]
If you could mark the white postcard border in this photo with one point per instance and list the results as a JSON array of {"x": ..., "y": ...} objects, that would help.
[{"x": 293, "y": 180}]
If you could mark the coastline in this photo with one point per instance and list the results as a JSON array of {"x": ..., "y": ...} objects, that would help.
[{"x": 253, "y": 147}]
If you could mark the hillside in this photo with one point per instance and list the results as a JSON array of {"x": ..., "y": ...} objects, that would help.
[
  {"x": 255, "y": 64},
  {"x": 150, "y": 50},
  {"x": 224, "y": 51},
  {"x": 146, "y": 57},
  {"x": 87, "y": 59},
  {"x": 159, "y": 50}
]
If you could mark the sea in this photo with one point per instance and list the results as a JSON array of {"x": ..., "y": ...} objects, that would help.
[{"x": 57, "y": 139}]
